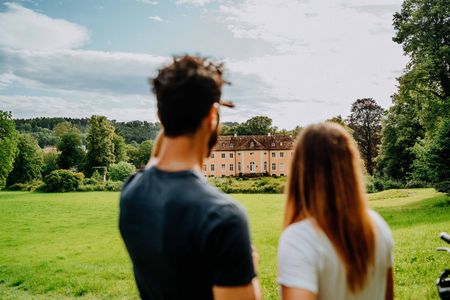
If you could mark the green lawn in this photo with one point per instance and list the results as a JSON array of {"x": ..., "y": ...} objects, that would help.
[{"x": 65, "y": 246}]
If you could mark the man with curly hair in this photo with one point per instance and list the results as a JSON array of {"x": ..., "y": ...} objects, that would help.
[{"x": 186, "y": 239}]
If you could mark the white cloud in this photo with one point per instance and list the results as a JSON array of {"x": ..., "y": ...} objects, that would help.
[
  {"x": 148, "y": 2},
  {"x": 156, "y": 18},
  {"x": 328, "y": 54},
  {"x": 194, "y": 2},
  {"x": 109, "y": 72},
  {"x": 22, "y": 28}
]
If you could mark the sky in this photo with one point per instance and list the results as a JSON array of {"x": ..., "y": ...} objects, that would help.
[{"x": 296, "y": 61}]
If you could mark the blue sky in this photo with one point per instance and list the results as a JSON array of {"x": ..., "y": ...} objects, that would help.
[{"x": 297, "y": 61}]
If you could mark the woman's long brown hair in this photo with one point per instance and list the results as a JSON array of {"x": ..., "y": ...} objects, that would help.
[{"x": 326, "y": 184}]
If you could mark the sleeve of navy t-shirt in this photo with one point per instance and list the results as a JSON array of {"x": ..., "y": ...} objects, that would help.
[{"x": 227, "y": 247}]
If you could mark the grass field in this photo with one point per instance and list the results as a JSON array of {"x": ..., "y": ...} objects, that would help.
[{"x": 65, "y": 246}]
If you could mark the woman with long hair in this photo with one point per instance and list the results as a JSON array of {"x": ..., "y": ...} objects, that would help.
[{"x": 333, "y": 246}]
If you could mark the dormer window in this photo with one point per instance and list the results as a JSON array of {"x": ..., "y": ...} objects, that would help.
[
  {"x": 281, "y": 143},
  {"x": 252, "y": 144},
  {"x": 273, "y": 144},
  {"x": 231, "y": 145}
]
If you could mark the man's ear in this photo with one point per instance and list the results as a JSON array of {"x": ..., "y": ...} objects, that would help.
[{"x": 213, "y": 115}]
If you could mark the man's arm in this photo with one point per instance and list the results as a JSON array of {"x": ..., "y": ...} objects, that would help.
[
  {"x": 232, "y": 259},
  {"x": 251, "y": 291}
]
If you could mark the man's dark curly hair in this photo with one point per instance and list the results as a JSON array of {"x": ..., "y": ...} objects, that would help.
[{"x": 185, "y": 90}]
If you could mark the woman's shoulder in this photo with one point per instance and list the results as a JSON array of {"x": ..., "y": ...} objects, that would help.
[
  {"x": 302, "y": 234},
  {"x": 382, "y": 227}
]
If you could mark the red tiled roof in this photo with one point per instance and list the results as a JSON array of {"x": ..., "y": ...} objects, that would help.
[{"x": 254, "y": 142}]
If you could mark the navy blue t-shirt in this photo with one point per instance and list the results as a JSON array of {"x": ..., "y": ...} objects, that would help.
[{"x": 183, "y": 235}]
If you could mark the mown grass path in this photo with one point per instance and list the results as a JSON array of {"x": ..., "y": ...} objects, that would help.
[{"x": 67, "y": 246}]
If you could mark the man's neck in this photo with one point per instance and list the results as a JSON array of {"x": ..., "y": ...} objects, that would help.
[{"x": 181, "y": 153}]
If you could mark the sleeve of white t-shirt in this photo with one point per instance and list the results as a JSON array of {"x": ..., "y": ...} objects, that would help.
[
  {"x": 386, "y": 235},
  {"x": 298, "y": 262}
]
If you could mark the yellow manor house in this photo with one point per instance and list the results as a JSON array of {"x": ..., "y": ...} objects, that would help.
[{"x": 250, "y": 154}]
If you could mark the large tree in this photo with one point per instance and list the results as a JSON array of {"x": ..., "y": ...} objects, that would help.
[
  {"x": 140, "y": 154},
  {"x": 70, "y": 146},
  {"x": 120, "y": 148},
  {"x": 28, "y": 163},
  {"x": 365, "y": 121},
  {"x": 8, "y": 146},
  {"x": 100, "y": 143},
  {"x": 423, "y": 29},
  {"x": 402, "y": 129}
]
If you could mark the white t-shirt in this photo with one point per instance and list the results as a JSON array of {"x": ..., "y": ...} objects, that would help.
[{"x": 308, "y": 260}]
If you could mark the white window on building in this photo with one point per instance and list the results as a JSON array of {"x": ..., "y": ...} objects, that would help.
[
  {"x": 231, "y": 167},
  {"x": 204, "y": 168},
  {"x": 239, "y": 167},
  {"x": 274, "y": 166},
  {"x": 281, "y": 166},
  {"x": 252, "y": 167},
  {"x": 231, "y": 145},
  {"x": 252, "y": 144},
  {"x": 231, "y": 155},
  {"x": 273, "y": 154},
  {"x": 212, "y": 155},
  {"x": 281, "y": 143},
  {"x": 265, "y": 166},
  {"x": 273, "y": 144},
  {"x": 212, "y": 167},
  {"x": 281, "y": 154},
  {"x": 223, "y": 167},
  {"x": 223, "y": 155}
]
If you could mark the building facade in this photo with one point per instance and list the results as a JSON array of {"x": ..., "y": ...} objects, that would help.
[{"x": 253, "y": 154}]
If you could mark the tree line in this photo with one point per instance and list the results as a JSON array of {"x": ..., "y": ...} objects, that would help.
[{"x": 42, "y": 129}]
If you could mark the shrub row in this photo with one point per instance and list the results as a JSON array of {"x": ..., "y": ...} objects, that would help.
[
  {"x": 67, "y": 181},
  {"x": 374, "y": 185}
]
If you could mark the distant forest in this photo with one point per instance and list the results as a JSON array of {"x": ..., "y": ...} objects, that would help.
[{"x": 42, "y": 129}]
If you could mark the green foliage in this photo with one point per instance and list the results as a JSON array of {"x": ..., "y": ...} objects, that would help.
[
  {"x": 100, "y": 143},
  {"x": 97, "y": 176},
  {"x": 45, "y": 137},
  {"x": 120, "y": 148},
  {"x": 32, "y": 186},
  {"x": 365, "y": 121},
  {"x": 8, "y": 146},
  {"x": 28, "y": 163},
  {"x": 402, "y": 128},
  {"x": 50, "y": 163},
  {"x": 137, "y": 131},
  {"x": 107, "y": 186},
  {"x": 258, "y": 185},
  {"x": 423, "y": 29},
  {"x": 443, "y": 186},
  {"x": 31, "y": 125},
  {"x": 69, "y": 144},
  {"x": 63, "y": 181},
  {"x": 376, "y": 184},
  {"x": 121, "y": 170},
  {"x": 440, "y": 152},
  {"x": 140, "y": 155}
]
